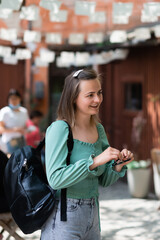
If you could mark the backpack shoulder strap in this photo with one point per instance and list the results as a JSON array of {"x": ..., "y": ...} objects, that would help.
[
  {"x": 69, "y": 143},
  {"x": 64, "y": 191},
  {"x": 41, "y": 145}
]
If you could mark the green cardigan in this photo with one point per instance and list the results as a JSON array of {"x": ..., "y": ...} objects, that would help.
[{"x": 81, "y": 183}]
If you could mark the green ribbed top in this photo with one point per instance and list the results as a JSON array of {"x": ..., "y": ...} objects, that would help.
[{"x": 81, "y": 183}]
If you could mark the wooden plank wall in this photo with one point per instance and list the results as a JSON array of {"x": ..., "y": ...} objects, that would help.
[
  {"x": 142, "y": 65},
  {"x": 11, "y": 76}
]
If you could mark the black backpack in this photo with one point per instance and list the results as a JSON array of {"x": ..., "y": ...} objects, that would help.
[
  {"x": 30, "y": 198},
  {"x": 3, "y": 162},
  {"x": 3, "y": 201}
]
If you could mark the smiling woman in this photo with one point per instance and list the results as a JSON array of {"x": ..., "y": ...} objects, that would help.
[
  {"x": 91, "y": 160},
  {"x": 67, "y": 106},
  {"x": 89, "y": 98}
]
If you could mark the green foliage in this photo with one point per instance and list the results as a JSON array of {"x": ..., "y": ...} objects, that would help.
[{"x": 139, "y": 164}]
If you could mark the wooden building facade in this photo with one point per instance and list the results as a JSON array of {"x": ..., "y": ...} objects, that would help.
[
  {"x": 11, "y": 76},
  {"x": 132, "y": 87}
]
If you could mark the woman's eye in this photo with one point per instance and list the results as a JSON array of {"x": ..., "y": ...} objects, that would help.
[
  {"x": 90, "y": 95},
  {"x": 100, "y": 92}
]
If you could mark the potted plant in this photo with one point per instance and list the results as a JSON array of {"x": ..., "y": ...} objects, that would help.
[
  {"x": 139, "y": 171},
  {"x": 138, "y": 176},
  {"x": 155, "y": 152},
  {"x": 155, "y": 155}
]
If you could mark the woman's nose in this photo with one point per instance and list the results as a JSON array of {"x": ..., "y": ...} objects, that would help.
[{"x": 97, "y": 98}]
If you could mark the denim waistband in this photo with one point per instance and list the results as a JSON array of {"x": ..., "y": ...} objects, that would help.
[{"x": 90, "y": 201}]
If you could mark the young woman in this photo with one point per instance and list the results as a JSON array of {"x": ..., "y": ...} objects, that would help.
[
  {"x": 91, "y": 160},
  {"x": 13, "y": 120}
]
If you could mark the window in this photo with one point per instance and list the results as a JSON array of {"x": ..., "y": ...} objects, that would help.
[{"x": 133, "y": 96}]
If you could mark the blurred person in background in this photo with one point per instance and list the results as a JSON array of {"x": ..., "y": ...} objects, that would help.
[
  {"x": 13, "y": 119},
  {"x": 34, "y": 135}
]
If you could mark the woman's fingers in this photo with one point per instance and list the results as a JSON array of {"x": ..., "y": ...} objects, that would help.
[
  {"x": 126, "y": 154},
  {"x": 114, "y": 153}
]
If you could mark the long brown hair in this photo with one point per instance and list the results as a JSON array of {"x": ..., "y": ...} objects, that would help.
[{"x": 67, "y": 107}]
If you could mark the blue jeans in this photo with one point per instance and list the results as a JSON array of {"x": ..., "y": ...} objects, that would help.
[
  {"x": 82, "y": 222},
  {"x": 14, "y": 144}
]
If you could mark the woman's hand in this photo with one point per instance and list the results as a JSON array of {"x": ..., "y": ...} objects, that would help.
[
  {"x": 106, "y": 156},
  {"x": 125, "y": 155},
  {"x": 19, "y": 130},
  {"x": 112, "y": 154}
]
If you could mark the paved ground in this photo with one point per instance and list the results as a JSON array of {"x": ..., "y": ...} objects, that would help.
[
  {"x": 127, "y": 218},
  {"x": 124, "y": 217}
]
